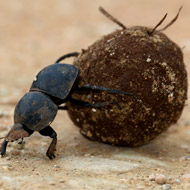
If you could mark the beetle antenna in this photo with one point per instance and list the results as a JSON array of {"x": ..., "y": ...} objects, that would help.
[
  {"x": 160, "y": 22},
  {"x": 73, "y": 54},
  {"x": 173, "y": 20},
  {"x": 104, "y": 12}
]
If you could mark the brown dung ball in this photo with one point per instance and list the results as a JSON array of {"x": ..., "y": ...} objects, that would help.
[{"x": 147, "y": 64}]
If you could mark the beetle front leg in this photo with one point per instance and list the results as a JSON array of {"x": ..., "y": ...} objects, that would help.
[
  {"x": 48, "y": 131},
  {"x": 4, "y": 147},
  {"x": 18, "y": 131}
]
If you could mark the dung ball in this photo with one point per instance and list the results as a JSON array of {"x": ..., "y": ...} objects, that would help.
[{"x": 150, "y": 66}]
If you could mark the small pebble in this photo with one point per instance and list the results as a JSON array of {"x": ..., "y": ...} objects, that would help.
[
  {"x": 158, "y": 178},
  {"x": 166, "y": 187},
  {"x": 56, "y": 166},
  {"x": 178, "y": 181},
  {"x": 148, "y": 60},
  {"x": 62, "y": 181},
  {"x": 93, "y": 109}
]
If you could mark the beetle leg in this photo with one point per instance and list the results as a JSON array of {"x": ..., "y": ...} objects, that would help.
[
  {"x": 17, "y": 132},
  {"x": 73, "y": 54},
  {"x": 4, "y": 147},
  {"x": 48, "y": 131},
  {"x": 96, "y": 105},
  {"x": 89, "y": 86}
]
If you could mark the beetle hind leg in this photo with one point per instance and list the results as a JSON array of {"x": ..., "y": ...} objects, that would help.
[
  {"x": 48, "y": 131},
  {"x": 94, "y": 105}
]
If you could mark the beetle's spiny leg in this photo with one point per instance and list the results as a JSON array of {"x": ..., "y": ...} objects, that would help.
[
  {"x": 172, "y": 21},
  {"x": 89, "y": 86},
  {"x": 160, "y": 22},
  {"x": 95, "y": 105},
  {"x": 73, "y": 54},
  {"x": 48, "y": 131},
  {"x": 104, "y": 12}
]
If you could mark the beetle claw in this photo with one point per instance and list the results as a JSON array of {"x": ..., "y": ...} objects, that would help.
[
  {"x": 48, "y": 131},
  {"x": 51, "y": 156},
  {"x": 52, "y": 148},
  {"x": 3, "y": 148},
  {"x": 50, "y": 152}
]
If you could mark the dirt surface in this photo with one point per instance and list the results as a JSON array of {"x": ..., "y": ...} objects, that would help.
[{"x": 34, "y": 34}]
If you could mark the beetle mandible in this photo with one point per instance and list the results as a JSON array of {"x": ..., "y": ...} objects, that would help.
[{"x": 37, "y": 109}]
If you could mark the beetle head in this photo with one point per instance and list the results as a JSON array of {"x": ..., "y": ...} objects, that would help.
[{"x": 35, "y": 111}]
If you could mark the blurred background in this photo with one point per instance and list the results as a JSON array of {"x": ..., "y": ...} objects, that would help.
[{"x": 33, "y": 34}]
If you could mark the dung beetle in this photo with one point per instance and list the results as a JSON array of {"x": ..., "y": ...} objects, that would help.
[{"x": 37, "y": 109}]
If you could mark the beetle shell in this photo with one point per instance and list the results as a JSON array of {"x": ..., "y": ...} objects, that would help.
[
  {"x": 35, "y": 110},
  {"x": 56, "y": 80}
]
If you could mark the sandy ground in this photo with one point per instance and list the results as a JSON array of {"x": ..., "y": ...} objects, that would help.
[{"x": 32, "y": 35}]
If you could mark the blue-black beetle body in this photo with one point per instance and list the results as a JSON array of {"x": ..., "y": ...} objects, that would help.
[{"x": 37, "y": 109}]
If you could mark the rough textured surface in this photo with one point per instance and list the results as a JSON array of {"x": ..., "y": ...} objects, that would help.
[
  {"x": 33, "y": 34},
  {"x": 130, "y": 60}
]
